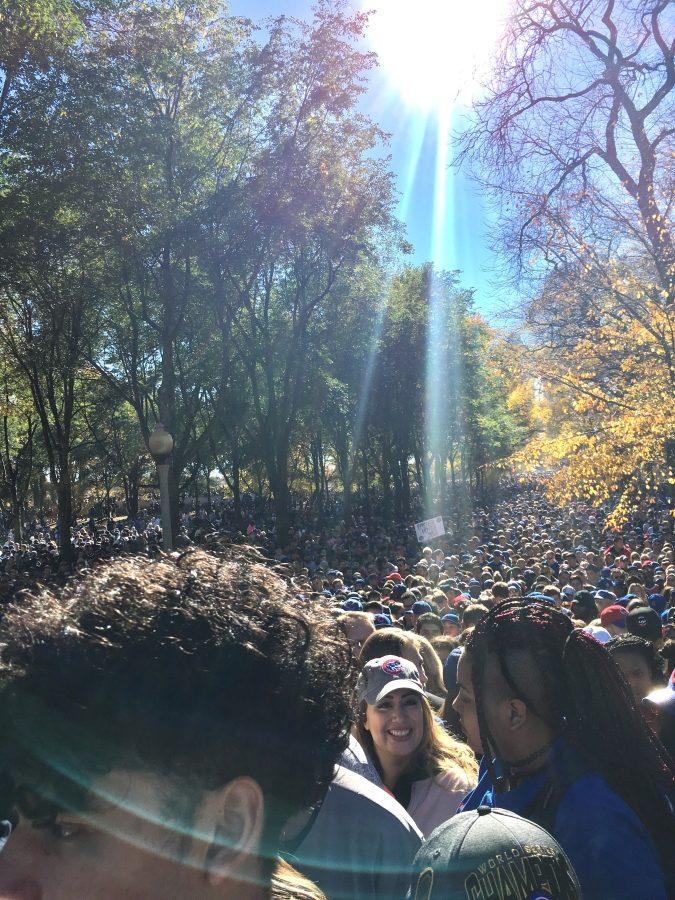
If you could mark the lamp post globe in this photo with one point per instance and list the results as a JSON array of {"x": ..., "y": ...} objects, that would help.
[{"x": 160, "y": 443}]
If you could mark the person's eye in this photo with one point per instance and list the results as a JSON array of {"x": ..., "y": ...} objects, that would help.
[
  {"x": 66, "y": 831},
  {"x": 412, "y": 701}
]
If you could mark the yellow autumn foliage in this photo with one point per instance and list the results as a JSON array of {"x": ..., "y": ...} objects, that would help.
[{"x": 609, "y": 388}]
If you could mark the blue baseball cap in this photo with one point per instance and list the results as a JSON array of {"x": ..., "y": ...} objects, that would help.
[
  {"x": 352, "y": 605},
  {"x": 657, "y": 602},
  {"x": 541, "y": 598},
  {"x": 420, "y": 606},
  {"x": 450, "y": 669},
  {"x": 450, "y": 617}
]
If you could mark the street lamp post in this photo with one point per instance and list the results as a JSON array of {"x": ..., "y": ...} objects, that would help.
[{"x": 160, "y": 445}]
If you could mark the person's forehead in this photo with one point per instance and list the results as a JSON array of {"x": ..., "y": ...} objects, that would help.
[
  {"x": 401, "y": 694},
  {"x": 629, "y": 657}
]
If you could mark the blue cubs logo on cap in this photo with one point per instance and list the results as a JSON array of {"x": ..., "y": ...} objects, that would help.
[{"x": 392, "y": 667}]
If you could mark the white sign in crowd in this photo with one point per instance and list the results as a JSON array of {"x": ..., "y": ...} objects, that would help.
[{"x": 430, "y": 528}]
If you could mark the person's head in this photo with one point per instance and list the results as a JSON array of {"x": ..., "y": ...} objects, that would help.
[
  {"x": 584, "y": 606},
  {"x": 160, "y": 722},
  {"x": 473, "y": 851},
  {"x": 393, "y": 642},
  {"x": 451, "y": 626},
  {"x": 357, "y": 626},
  {"x": 637, "y": 590},
  {"x": 420, "y": 608},
  {"x": 430, "y": 663},
  {"x": 613, "y": 618},
  {"x": 395, "y": 724},
  {"x": 390, "y": 696},
  {"x": 552, "y": 591},
  {"x": 473, "y": 613},
  {"x": 500, "y": 591},
  {"x": 639, "y": 663},
  {"x": 527, "y": 677},
  {"x": 667, "y": 653},
  {"x": 644, "y": 622},
  {"x": 429, "y": 625},
  {"x": 443, "y": 646}
]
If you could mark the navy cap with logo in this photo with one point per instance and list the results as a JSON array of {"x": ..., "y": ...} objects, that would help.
[{"x": 492, "y": 853}]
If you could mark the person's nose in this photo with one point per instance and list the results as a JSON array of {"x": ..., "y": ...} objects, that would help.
[{"x": 399, "y": 713}]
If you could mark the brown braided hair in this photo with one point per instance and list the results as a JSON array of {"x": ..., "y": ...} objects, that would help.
[{"x": 586, "y": 699}]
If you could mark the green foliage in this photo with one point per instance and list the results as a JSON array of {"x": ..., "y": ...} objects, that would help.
[{"x": 197, "y": 227}]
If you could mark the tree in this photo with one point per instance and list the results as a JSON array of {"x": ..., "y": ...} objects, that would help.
[
  {"x": 575, "y": 136},
  {"x": 318, "y": 196},
  {"x": 32, "y": 34},
  {"x": 51, "y": 271},
  {"x": 608, "y": 380},
  {"x": 575, "y": 139},
  {"x": 18, "y": 425}
]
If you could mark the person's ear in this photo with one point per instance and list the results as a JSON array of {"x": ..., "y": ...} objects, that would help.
[
  {"x": 238, "y": 829},
  {"x": 517, "y": 714}
]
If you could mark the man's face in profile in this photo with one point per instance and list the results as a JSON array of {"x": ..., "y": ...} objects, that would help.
[
  {"x": 140, "y": 835},
  {"x": 133, "y": 840}
]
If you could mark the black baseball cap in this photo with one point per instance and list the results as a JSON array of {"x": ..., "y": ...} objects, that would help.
[
  {"x": 644, "y": 622},
  {"x": 492, "y": 853}
]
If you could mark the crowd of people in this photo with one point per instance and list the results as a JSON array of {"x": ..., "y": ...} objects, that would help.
[{"x": 348, "y": 714}]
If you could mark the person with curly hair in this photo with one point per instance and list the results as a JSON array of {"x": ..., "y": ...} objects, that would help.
[
  {"x": 159, "y": 723},
  {"x": 639, "y": 662}
]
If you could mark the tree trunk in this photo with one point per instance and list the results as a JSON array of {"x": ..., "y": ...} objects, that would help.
[
  {"x": 64, "y": 495},
  {"x": 236, "y": 485},
  {"x": 277, "y": 472},
  {"x": 209, "y": 505},
  {"x": 134, "y": 485},
  {"x": 405, "y": 484},
  {"x": 366, "y": 485}
]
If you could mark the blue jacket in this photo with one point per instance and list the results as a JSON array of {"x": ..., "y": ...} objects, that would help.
[{"x": 611, "y": 851}]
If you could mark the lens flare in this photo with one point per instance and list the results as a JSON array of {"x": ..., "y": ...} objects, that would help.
[{"x": 435, "y": 51}]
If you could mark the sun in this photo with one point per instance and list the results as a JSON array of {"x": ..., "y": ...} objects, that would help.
[{"x": 434, "y": 52}]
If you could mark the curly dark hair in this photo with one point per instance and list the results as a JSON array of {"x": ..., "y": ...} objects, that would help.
[
  {"x": 200, "y": 667},
  {"x": 576, "y": 688},
  {"x": 633, "y": 643}
]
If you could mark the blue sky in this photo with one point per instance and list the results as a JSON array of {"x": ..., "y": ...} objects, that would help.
[{"x": 445, "y": 214}]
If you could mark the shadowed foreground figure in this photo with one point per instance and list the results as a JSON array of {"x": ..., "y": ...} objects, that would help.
[{"x": 159, "y": 723}]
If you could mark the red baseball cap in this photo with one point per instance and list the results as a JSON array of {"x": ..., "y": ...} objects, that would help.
[{"x": 613, "y": 615}]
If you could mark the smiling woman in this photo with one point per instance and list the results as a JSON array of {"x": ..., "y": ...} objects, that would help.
[
  {"x": 425, "y": 769},
  {"x": 433, "y": 51}
]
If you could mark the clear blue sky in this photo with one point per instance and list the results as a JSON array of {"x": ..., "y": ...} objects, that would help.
[{"x": 445, "y": 214}]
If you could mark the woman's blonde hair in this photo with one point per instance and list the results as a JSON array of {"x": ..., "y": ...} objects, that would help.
[
  {"x": 638, "y": 589},
  {"x": 438, "y": 752},
  {"x": 432, "y": 664},
  {"x": 289, "y": 884}
]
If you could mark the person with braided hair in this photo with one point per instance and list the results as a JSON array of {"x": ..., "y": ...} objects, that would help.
[{"x": 564, "y": 745}]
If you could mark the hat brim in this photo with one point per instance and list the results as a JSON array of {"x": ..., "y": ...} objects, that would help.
[{"x": 396, "y": 684}]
